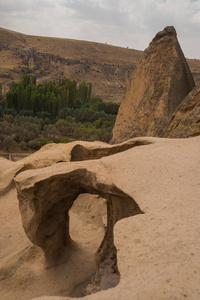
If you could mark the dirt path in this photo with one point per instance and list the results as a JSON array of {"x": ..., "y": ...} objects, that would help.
[{"x": 15, "y": 156}]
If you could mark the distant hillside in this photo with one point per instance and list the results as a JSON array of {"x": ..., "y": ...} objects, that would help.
[{"x": 107, "y": 67}]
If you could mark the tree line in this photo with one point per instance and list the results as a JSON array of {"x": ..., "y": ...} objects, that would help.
[
  {"x": 51, "y": 97},
  {"x": 34, "y": 114},
  {"x": 48, "y": 96}
]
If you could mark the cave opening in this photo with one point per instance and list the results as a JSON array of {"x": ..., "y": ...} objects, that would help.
[{"x": 87, "y": 228}]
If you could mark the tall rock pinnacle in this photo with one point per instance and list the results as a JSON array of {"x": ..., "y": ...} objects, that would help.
[{"x": 160, "y": 82}]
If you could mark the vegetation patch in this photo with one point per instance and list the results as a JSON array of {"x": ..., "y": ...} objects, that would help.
[{"x": 32, "y": 115}]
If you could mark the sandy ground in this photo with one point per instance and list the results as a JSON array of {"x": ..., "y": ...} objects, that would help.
[{"x": 22, "y": 272}]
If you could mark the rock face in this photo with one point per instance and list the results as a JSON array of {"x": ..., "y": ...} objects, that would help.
[
  {"x": 157, "y": 87},
  {"x": 185, "y": 121}
]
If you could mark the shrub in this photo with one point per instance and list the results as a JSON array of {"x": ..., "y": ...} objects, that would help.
[
  {"x": 62, "y": 140},
  {"x": 34, "y": 144}
]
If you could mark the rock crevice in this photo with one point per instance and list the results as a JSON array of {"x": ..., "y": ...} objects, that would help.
[{"x": 185, "y": 121}]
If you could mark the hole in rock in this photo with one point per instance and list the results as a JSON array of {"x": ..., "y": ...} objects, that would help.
[
  {"x": 87, "y": 228},
  {"x": 88, "y": 220},
  {"x": 70, "y": 212}
]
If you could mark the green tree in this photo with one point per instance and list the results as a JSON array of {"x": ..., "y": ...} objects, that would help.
[
  {"x": 98, "y": 123},
  {"x": 8, "y": 118},
  {"x": 9, "y": 143},
  {"x": 1, "y": 90},
  {"x": 82, "y": 92},
  {"x": 89, "y": 91},
  {"x": 25, "y": 80}
]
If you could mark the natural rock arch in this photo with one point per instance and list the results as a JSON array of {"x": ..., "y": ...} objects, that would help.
[{"x": 45, "y": 204}]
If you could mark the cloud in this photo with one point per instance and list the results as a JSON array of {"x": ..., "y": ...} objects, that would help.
[
  {"x": 120, "y": 22},
  {"x": 101, "y": 12},
  {"x": 22, "y": 6}
]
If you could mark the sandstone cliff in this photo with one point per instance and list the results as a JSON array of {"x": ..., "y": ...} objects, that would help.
[
  {"x": 157, "y": 87},
  {"x": 185, "y": 121}
]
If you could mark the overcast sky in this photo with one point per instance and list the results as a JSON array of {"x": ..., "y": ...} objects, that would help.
[{"x": 126, "y": 23}]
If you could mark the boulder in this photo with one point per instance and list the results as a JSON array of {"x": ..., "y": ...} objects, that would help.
[
  {"x": 185, "y": 121},
  {"x": 159, "y": 84}
]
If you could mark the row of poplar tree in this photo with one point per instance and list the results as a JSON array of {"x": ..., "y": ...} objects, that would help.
[{"x": 49, "y": 96}]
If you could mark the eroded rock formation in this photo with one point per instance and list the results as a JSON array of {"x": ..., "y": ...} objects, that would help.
[
  {"x": 52, "y": 227},
  {"x": 157, "y": 87},
  {"x": 54, "y": 153},
  {"x": 157, "y": 250},
  {"x": 185, "y": 121},
  {"x": 45, "y": 198}
]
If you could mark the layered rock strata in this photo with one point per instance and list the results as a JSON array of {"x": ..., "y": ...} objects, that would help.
[{"x": 160, "y": 82}]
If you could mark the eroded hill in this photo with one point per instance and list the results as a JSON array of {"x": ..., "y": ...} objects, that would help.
[{"x": 107, "y": 67}]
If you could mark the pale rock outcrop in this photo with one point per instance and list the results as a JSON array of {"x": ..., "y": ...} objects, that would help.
[
  {"x": 160, "y": 82},
  {"x": 22, "y": 264},
  {"x": 46, "y": 195},
  {"x": 157, "y": 251},
  {"x": 55, "y": 153},
  {"x": 185, "y": 121}
]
